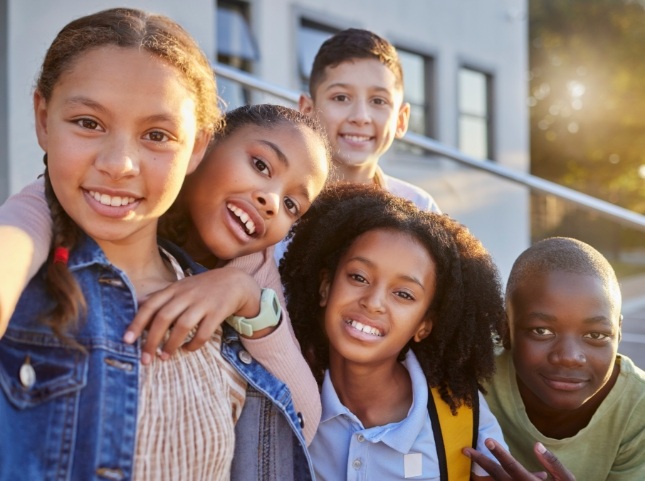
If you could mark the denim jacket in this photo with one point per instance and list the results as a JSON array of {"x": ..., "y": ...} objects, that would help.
[{"x": 71, "y": 414}]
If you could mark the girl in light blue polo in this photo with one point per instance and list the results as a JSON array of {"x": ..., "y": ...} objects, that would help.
[{"x": 395, "y": 309}]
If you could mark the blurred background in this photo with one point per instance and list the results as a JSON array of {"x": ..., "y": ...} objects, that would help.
[{"x": 527, "y": 115}]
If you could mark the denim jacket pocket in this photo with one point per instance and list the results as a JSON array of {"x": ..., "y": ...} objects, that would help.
[{"x": 37, "y": 368}]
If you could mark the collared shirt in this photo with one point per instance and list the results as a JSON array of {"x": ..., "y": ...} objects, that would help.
[{"x": 344, "y": 450}]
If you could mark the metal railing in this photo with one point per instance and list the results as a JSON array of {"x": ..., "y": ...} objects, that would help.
[{"x": 619, "y": 214}]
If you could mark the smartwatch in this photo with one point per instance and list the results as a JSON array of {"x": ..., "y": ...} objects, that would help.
[{"x": 269, "y": 315}]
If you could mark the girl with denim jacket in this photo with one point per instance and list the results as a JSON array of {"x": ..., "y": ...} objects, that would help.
[{"x": 124, "y": 108}]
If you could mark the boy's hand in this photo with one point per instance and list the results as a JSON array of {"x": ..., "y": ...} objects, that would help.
[
  {"x": 510, "y": 469},
  {"x": 203, "y": 300}
]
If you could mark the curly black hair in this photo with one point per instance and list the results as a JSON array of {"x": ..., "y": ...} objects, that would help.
[{"x": 467, "y": 308}]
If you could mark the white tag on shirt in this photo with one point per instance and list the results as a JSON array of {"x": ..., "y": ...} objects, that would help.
[{"x": 412, "y": 465}]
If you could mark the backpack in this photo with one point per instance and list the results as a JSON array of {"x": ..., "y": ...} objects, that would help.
[{"x": 452, "y": 433}]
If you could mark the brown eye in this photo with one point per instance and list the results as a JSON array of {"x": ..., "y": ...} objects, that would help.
[
  {"x": 88, "y": 124},
  {"x": 157, "y": 136},
  {"x": 261, "y": 166}
]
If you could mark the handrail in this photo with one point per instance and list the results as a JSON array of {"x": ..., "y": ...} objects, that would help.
[{"x": 614, "y": 212}]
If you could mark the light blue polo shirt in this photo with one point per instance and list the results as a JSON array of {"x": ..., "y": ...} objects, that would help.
[{"x": 344, "y": 450}]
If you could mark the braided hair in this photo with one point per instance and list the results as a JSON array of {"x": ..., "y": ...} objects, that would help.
[{"x": 126, "y": 28}]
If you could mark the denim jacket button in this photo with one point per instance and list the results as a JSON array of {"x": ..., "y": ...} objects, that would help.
[
  {"x": 301, "y": 420},
  {"x": 27, "y": 374},
  {"x": 245, "y": 357}
]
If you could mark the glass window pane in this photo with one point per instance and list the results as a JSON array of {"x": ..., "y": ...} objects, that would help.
[
  {"x": 472, "y": 92},
  {"x": 234, "y": 36},
  {"x": 417, "y": 122},
  {"x": 473, "y": 137},
  {"x": 413, "y": 76},
  {"x": 231, "y": 93},
  {"x": 309, "y": 41}
]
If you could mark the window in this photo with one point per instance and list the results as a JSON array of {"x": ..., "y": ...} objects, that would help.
[
  {"x": 235, "y": 47},
  {"x": 418, "y": 77},
  {"x": 475, "y": 123},
  {"x": 311, "y": 36}
]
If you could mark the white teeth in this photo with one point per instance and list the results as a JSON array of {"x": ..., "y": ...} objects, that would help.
[
  {"x": 244, "y": 217},
  {"x": 356, "y": 138},
  {"x": 364, "y": 328},
  {"x": 114, "y": 201}
]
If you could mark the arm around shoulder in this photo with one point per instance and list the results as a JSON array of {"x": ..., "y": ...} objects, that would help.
[{"x": 25, "y": 236}]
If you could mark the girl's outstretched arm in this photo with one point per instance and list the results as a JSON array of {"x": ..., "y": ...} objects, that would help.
[
  {"x": 203, "y": 301},
  {"x": 279, "y": 352},
  {"x": 25, "y": 236}
]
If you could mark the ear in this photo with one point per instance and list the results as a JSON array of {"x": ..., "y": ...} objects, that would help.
[
  {"x": 423, "y": 331},
  {"x": 402, "y": 120},
  {"x": 199, "y": 149},
  {"x": 306, "y": 104},
  {"x": 620, "y": 328},
  {"x": 323, "y": 290},
  {"x": 40, "y": 116},
  {"x": 506, "y": 334}
]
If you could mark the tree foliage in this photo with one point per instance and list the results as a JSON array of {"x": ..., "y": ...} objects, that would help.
[{"x": 587, "y": 96}]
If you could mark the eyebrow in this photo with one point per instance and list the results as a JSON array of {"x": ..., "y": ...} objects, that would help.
[
  {"x": 80, "y": 100},
  {"x": 405, "y": 277},
  {"x": 285, "y": 161},
  {"x": 549, "y": 318},
  {"x": 348, "y": 86},
  {"x": 281, "y": 157}
]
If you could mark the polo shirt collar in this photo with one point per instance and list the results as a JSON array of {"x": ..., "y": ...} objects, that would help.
[{"x": 398, "y": 436}]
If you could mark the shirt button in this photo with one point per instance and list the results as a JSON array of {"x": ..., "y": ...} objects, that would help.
[
  {"x": 356, "y": 464},
  {"x": 360, "y": 438},
  {"x": 27, "y": 374},
  {"x": 301, "y": 420},
  {"x": 245, "y": 357}
]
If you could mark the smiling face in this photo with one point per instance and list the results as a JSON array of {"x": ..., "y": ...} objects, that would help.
[
  {"x": 564, "y": 331},
  {"x": 120, "y": 135},
  {"x": 376, "y": 301},
  {"x": 252, "y": 187},
  {"x": 360, "y": 103}
]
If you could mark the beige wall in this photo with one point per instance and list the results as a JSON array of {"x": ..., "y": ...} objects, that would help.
[{"x": 488, "y": 34}]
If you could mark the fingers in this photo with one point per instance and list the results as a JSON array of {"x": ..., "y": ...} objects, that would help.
[
  {"x": 490, "y": 466},
  {"x": 159, "y": 324},
  {"x": 207, "y": 327},
  {"x": 552, "y": 464},
  {"x": 512, "y": 470},
  {"x": 146, "y": 311}
]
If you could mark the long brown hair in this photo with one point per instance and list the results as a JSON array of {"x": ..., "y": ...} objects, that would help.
[{"x": 127, "y": 28}]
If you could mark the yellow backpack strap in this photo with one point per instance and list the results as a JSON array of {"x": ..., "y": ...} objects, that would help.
[{"x": 451, "y": 434}]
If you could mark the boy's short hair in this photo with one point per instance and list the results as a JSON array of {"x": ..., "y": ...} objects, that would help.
[
  {"x": 350, "y": 44},
  {"x": 563, "y": 254}
]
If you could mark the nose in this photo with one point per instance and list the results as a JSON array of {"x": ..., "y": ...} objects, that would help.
[
  {"x": 373, "y": 299},
  {"x": 267, "y": 202},
  {"x": 118, "y": 159},
  {"x": 359, "y": 114},
  {"x": 567, "y": 352}
]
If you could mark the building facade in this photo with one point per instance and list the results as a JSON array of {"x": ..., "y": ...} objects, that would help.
[{"x": 465, "y": 67}]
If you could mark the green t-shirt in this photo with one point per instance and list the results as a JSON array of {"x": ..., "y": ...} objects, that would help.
[{"x": 610, "y": 448}]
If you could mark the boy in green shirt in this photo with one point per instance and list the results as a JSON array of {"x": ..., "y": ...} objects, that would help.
[{"x": 560, "y": 380}]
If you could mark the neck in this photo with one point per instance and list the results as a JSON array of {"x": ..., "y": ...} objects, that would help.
[
  {"x": 200, "y": 253},
  {"x": 377, "y": 395},
  {"x": 142, "y": 263},
  {"x": 357, "y": 174}
]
